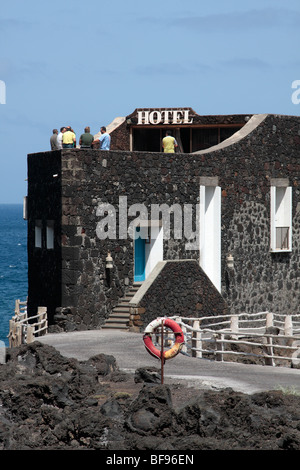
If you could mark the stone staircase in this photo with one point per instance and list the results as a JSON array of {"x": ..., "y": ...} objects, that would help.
[{"x": 119, "y": 316}]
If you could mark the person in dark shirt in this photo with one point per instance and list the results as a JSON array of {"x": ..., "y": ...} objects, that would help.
[
  {"x": 86, "y": 139},
  {"x": 53, "y": 140}
]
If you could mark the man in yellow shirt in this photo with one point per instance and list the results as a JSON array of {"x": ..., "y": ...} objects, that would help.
[
  {"x": 69, "y": 138},
  {"x": 169, "y": 143}
]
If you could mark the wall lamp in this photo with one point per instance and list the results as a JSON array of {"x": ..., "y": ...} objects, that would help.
[
  {"x": 230, "y": 261},
  {"x": 109, "y": 261},
  {"x": 108, "y": 267}
]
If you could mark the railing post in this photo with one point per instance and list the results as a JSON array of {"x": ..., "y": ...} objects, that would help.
[
  {"x": 296, "y": 354},
  {"x": 269, "y": 319},
  {"x": 42, "y": 312},
  {"x": 288, "y": 326},
  {"x": 184, "y": 347},
  {"x": 30, "y": 334},
  {"x": 220, "y": 346},
  {"x": 196, "y": 339},
  {"x": 18, "y": 335},
  {"x": 269, "y": 361},
  {"x": 234, "y": 325},
  {"x": 10, "y": 334},
  {"x": 178, "y": 320},
  {"x": 17, "y": 306}
]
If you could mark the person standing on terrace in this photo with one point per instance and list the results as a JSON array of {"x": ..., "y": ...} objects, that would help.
[
  {"x": 169, "y": 143},
  {"x": 69, "y": 138},
  {"x": 104, "y": 139},
  {"x": 86, "y": 139}
]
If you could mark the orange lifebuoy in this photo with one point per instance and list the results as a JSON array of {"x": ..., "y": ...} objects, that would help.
[{"x": 179, "y": 338}]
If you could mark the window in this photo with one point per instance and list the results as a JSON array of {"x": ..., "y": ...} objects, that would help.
[
  {"x": 281, "y": 216},
  {"x": 50, "y": 234},
  {"x": 44, "y": 238},
  {"x": 38, "y": 234}
]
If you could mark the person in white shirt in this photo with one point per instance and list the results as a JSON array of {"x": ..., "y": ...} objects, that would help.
[{"x": 59, "y": 138}]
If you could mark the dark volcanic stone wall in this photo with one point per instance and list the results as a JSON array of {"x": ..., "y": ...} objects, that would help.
[
  {"x": 120, "y": 138},
  {"x": 181, "y": 289},
  {"x": 260, "y": 280},
  {"x": 90, "y": 178}
]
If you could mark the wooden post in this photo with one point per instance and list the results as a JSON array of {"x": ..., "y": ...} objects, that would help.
[
  {"x": 234, "y": 325},
  {"x": 296, "y": 354},
  {"x": 30, "y": 334},
  {"x": 18, "y": 335},
  {"x": 10, "y": 335},
  {"x": 196, "y": 339},
  {"x": 184, "y": 347},
  {"x": 42, "y": 311},
  {"x": 14, "y": 335},
  {"x": 269, "y": 361},
  {"x": 17, "y": 307},
  {"x": 269, "y": 319},
  {"x": 288, "y": 326},
  {"x": 13, "y": 342},
  {"x": 220, "y": 346}
]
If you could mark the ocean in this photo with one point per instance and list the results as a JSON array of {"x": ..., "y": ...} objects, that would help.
[{"x": 13, "y": 263}]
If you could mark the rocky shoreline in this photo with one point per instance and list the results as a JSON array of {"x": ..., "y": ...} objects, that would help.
[{"x": 50, "y": 402}]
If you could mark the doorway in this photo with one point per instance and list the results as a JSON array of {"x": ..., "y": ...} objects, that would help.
[
  {"x": 139, "y": 256},
  {"x": 148, "y": 248}
]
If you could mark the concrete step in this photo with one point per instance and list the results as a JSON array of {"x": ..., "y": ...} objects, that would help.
[
  {"x": 115, "y": 326},
  {"x": 123, "y": 304},
  {"x": 119, "y": 317},
  {"x": 120, "y": 310},
  {"x": 116, "y": 320}
]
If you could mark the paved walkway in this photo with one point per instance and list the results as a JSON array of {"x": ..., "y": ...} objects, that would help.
[{"x": 130, "y": 353}]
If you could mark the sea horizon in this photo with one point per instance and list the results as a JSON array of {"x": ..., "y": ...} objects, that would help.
[{"x": 13, "y": 263}]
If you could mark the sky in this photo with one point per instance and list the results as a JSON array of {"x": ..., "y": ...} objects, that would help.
[{"x": 84, "y": 63}]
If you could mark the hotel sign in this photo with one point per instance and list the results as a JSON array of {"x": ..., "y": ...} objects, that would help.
[{"x": 164, "y": 116}]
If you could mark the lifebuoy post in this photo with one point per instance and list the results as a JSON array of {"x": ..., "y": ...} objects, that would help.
[{"x": 161, "y": 354}]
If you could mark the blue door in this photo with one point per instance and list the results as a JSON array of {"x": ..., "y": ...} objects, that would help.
[{"x": 139, "y": 258}]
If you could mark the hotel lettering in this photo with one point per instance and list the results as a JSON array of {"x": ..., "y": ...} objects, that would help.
[{"x": 167, "y": 116}]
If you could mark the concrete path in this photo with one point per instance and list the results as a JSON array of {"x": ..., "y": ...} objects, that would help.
[{"x": 130, "y": 353}]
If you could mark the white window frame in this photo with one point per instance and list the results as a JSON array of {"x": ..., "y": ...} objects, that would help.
[{"x": 280, "y": 217}]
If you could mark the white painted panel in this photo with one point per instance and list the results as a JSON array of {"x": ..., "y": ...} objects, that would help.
[
  {"x": 210, "y": 233},
  {"x": 154, "y": 249}
]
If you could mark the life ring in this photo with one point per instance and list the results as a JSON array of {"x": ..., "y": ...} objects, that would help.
[{"x": 179, "y": 338}]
